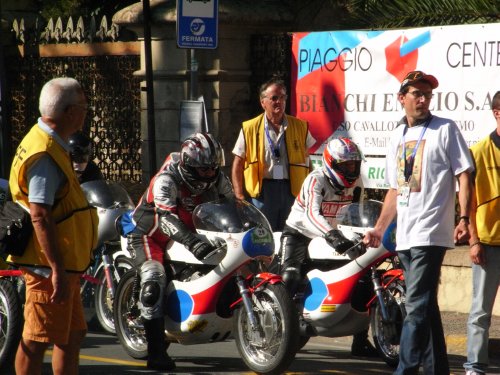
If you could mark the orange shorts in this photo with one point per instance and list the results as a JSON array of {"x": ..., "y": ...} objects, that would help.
[{"x": 49, "y": 322}]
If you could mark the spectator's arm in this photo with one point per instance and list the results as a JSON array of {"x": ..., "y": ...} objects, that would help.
[
  {"x": 373, "y": 237},
  {"x": 464, "y": 199},
  {"x": 45, "y": 231},
  {"x": 237, "y": 176}
]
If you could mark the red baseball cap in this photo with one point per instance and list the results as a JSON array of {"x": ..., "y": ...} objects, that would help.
[{"x": 416, "y": 76}]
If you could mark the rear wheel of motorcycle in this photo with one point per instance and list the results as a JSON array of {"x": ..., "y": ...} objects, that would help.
[
  {"x": 127, "y": 316},
  {"x": 272, "y": 347},
  {"x": 386, "y": 335},
  {"x": 103, "y": 297},
  {"x": 11, "y": 323}
]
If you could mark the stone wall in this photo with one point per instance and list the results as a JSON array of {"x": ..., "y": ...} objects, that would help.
[{"x": 455, "y": 289}]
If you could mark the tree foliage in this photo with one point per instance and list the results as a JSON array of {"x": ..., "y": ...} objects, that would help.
[
  {"x": 64, "y": 8},
  {"x": 371, "y": 14}
]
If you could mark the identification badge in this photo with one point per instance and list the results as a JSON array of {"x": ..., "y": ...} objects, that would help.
[
  {"x": 278, "y": 172},
  {"x": 404, "y": 195}
]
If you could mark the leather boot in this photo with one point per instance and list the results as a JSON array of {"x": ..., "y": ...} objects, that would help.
[
  {"x": 361, "y": 346},
  {"x": 158, "y": 359}
]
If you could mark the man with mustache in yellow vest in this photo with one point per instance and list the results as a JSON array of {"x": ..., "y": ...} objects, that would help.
[{"x": 271, "y": 159}]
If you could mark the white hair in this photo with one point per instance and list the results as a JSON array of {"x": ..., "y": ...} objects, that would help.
[{"x": 57, "y": 94}]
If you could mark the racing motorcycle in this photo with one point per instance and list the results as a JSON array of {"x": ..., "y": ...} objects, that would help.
[
  {"x": 228, "y": 294},
  {"x": 111, "y": 259},
  {"x": 98, "y": 283},
  {"x": 329, "y": 281}
]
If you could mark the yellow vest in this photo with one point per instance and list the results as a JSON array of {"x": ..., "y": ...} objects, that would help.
[
  {"x": 76, "y": 221},
  {"x": 295, "y": 138},
  {"x": 486, "y": 157}
]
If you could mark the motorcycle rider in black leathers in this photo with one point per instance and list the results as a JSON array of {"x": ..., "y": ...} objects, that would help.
[
  {"x": 80, "y": 150},
  {"x": 313, "y": 214},
  {"x": 164, "y": 213}
]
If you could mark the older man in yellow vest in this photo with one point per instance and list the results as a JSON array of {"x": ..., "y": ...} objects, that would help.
[
  {"x": 65, "y": 232},
  {"x": 270, "y": 156}
]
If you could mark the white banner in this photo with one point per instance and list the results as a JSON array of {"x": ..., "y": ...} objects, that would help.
[{"x": 346, "y": 82}]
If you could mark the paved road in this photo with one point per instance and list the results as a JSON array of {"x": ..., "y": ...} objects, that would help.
[{"x": 102, "y": 355}]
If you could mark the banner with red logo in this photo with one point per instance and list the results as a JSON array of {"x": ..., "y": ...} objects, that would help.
[{"x": 345, "y": 83}]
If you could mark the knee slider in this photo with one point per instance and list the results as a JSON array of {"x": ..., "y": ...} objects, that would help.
[
  {"x": 153, "y": 282},
  {"x": 291, "y": 274},
  {"x": 150, "y": 293}
]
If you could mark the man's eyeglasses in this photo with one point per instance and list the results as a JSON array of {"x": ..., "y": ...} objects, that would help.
[
  {"x": 419, "y": 94},
  {"x": 275, "y": 98}
]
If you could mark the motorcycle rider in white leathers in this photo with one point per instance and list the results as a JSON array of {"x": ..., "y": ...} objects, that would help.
[
  {"x": 313, "y": 214},
  {"x": 164, "y": 213}
]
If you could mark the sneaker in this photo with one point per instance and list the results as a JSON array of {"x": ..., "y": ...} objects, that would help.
[
  {"x": 472, "y": 372},
  {"x": 161, "y": 363},
  {"x": 363, "y": 348}
]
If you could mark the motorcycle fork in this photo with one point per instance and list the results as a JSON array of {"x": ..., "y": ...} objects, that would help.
[
  {"x": 108, "y": 269},
  {"x": 247, "y": 301},
  {"x": 379, "y": 294}
]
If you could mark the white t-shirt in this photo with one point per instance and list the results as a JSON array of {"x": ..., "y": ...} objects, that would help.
[
  {"x": 428, "y": 220},
  {"x": 278, "y": 139}
]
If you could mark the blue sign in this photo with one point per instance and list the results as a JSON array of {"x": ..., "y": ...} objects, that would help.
[{"x": 197, "y": 23}]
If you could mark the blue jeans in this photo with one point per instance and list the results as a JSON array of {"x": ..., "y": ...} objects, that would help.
[
  {"x": 275, "y": 202},
  {"x": 422, "y": 337},
  {"x": 485, "y": 281}
]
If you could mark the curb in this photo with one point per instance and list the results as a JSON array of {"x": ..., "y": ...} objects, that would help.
[{"x": 456, "y": 344}]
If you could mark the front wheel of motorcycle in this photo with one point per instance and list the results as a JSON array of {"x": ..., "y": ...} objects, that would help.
[
  {"x": 103, "y": 296},
  {"x": 270, "y": 347},
  {"x": 386, "y": 334},
  {"x": 127, "y": 316},
  {"x": 11, "y": 323}
]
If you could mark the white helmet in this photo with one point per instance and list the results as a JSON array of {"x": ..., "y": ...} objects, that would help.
[{"x": 336, "y": 153}]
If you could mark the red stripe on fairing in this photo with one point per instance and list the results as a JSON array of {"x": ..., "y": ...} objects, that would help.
[
  {"x": 340, "y": 292},
  {"x": 206, "y": 301}
]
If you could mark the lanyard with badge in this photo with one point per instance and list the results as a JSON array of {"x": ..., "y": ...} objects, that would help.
[
  {"x": 275, "y": 154},
  {"x": 404, "y": 190}
]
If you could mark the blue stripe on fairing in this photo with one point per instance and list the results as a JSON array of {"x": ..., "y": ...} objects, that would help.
[
  {"x": 179, "y": 305},
  {"x": 389, "y": 237},
  {"x": 315, "y": 294},
  {"x": 253, "y": 249}
]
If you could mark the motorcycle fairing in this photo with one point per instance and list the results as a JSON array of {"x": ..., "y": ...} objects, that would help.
[
  {"x": 190, "y": 307},
  {"x": 257, "y": 242},
  {"x": 389, "y": 237},
  {"x": 327, "y": 298}
]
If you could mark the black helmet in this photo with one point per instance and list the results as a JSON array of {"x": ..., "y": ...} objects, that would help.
[
  {"x": 200, "y": 151},
  {"x": 80, "y": 147}
]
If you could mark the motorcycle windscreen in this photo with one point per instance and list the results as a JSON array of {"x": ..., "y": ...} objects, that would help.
[
  {"x": 106, "y": 194},
  {"x": 228, "y": 215},
  {"x": 362, "y": 214}
]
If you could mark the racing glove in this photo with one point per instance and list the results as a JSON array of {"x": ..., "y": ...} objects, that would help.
[
  {"x": 336, "y": 239},
  {"x": 201, "y": 249},
  {"x": 179, "y": 232}
]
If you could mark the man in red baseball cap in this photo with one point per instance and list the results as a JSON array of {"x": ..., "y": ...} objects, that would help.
[{"x": 426, "y": 156}]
